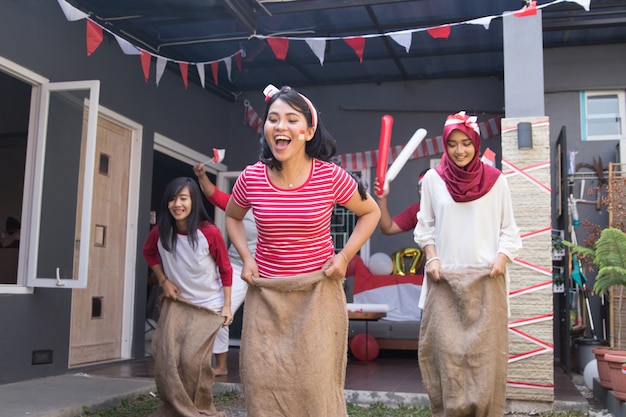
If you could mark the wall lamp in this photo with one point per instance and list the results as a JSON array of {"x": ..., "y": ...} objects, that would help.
[{"x": 524, "y": 135}]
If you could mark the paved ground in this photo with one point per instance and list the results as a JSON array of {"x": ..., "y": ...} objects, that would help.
[{"x": 66, "y": 395}]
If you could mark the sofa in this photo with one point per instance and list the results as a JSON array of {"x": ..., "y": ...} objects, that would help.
[{"x": 399, "y": 330}]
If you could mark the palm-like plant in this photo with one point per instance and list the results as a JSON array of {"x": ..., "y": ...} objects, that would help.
[{"x": 609, "y": 256}]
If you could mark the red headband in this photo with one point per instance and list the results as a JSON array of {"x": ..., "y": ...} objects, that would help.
[{"x": 270, "y": 90}]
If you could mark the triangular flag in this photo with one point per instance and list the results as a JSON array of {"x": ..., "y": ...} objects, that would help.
[
  {"x": 229, "y": 63},
  {"x": 318, "y": 46},
  {"x": 215, "y": 68},
  {"x": 184, "y": 72},
  {"x": 94, "y": 36},
  {"x": 358, "y": 44},
  {"x": 218, "y": 155},
  {"x": 145, "y": 64},
  {"x": 279, "y": 46},
  {"x": 529, "y": 10},
  {"x": 439, "y": 32},
  {"x": 200, "y": 68},
  {"x": 71, "y": 13},
  {"x": 160, "y": 67},
  {"x": 238, "y": 60},
  {"x": 485, "y": 21},
  {"x": 127, "y": 47},
  {"x": 583, "y": 3},
  {"x": 403, "y": 39}
]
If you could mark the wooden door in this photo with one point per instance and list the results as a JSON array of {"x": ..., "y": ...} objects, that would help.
[{"x": 97, "y": 311}]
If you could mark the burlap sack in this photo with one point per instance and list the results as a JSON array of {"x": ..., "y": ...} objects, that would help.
[
  {"x": 182, "y": 346},
  {"x": 294, "y": 347},
  {"x": 463, "y": 345}
]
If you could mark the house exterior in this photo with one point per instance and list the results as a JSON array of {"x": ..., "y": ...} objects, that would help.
[{"x": 85, "y": 204}]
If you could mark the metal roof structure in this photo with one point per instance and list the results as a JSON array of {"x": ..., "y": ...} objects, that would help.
[{"x": 207, "y": 31}]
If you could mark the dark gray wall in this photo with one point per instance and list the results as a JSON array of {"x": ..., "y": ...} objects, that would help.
[
  {"x": 568, "y": 71},
  {"x": 37, "y": 36}
]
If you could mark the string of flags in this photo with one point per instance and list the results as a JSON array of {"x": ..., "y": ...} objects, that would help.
[{"x": 280, "y": 44}]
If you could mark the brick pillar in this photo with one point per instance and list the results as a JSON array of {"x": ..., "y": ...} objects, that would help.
[{"x": 531, "y": 353}]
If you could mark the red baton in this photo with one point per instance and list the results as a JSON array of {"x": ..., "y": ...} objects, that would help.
[{"x": 383, "y": 151}]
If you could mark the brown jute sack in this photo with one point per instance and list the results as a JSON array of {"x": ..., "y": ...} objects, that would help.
[
  {"x": 182, "y": 345},
  {"x": 294, "y": 347},
  {"x": 463, "y": 349}
]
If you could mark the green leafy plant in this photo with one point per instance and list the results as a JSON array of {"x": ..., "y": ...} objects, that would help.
[{"x": 608, "y": 255}]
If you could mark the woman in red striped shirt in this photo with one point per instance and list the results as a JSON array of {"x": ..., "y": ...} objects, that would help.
[{"x": 292, "y": 191}]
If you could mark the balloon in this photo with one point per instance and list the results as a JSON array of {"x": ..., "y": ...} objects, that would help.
[
  {"x": 590, "y": 372},
  {"x": 364, "y": 348},
  {"x": 380, "y": 264},
  {"x": 399, "y": 264},
  {"x": 404, "y": 155}
]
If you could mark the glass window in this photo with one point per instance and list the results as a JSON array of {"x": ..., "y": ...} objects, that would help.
[{"x": 603, "y": 115}]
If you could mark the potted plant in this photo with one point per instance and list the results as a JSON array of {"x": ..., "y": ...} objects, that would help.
[{"x": 608, "y": 254}]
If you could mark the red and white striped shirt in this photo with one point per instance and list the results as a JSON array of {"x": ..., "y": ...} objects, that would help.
[{"x": 293, "y": 224}]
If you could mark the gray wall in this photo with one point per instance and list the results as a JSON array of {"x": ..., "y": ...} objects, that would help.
[
  {"x": 37, "y": 36},
  {"x": 568, "y": 71}
]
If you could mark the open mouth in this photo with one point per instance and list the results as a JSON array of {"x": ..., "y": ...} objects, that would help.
[{"x": 282, "y": 142}]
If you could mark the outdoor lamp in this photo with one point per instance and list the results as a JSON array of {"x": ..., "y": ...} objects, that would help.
[{"x": 524, "y": 135}]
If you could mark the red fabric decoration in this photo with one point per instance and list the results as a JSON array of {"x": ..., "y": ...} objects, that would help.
[
  {"x": 358, "y": 44},
  {"x": 214, "y": 69},
  {"x": 145, "y": 63},
  {"x": 279, "y": 46},
  {"x": 94, "y": 36},
  {"x": 530, "y": 10},
  {"x": 439, "y": 32},
  {"x": 238, "y": 60},
  {"x": 184, "y": 70}
]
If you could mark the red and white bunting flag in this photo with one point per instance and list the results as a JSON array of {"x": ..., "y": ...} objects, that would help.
[
  {"x": 318, "y": 46},
  {"x": 530, "y": 10},
  {"x": 403, "y": 39},
  {"x": 127, "y": 47},
  {"x": 238, "y": 57},
  {"x": 485, "y": 21},
  {"x": 184, "y": 73},
  {"x": 145, "y": 64},
  {"x": 228, "y": 62},
  {"x": 215, "y": 70},
  {"x": 160, "y": 68},
  {"x": 71, "y": 13},
  {"x": 279, "y": 46},
  {"x": 94, "y": 36},
  {"x": 583, "y": 3},
  {"x": 439, "y": 32},
  {"x": 200, "y": 68},
  {"x": 358, "y": 44}
]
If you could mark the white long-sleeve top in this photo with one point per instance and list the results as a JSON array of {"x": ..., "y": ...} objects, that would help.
[{"x": 468, "y": 234}]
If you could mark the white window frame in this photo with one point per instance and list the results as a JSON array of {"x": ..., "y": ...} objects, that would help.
[
  {"x": 41, "y": 87},
  {"x": 584, "y": 114}
]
